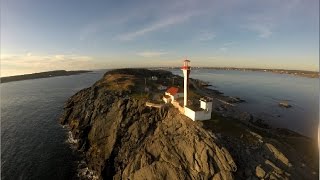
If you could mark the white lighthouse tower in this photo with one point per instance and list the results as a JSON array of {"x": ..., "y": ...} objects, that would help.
[{"x": 186, "y": 72}]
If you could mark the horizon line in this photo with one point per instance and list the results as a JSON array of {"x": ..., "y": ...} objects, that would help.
[{"x": 173, "y": 67}]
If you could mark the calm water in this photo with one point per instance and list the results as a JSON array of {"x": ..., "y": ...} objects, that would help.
[
  {"x": 33, "y": 144},
  {"x": 263, "y": 91}
]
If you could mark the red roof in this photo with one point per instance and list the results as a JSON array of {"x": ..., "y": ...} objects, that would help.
[{"x": 173, "y": 91}]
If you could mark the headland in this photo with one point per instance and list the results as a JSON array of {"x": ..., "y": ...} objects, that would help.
[
  {"x": 46, "y": 74},
  {"x": 120, "y": 137}
]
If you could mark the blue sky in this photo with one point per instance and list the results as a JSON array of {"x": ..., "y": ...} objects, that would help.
[{"x": 41, "y": 35}]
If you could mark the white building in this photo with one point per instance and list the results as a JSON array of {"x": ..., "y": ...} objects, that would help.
[
  {"x": 154, "y": 78},
  {"x": 172, "y": 94},
  {"x": 200, "y": 113}
]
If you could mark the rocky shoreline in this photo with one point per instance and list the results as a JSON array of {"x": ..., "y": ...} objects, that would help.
[{"x": 121, "y": 138}]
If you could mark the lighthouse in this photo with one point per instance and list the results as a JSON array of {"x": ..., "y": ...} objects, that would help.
[
  {"x": 186, "y": 72},
  {"x": 195, "y": 113}
]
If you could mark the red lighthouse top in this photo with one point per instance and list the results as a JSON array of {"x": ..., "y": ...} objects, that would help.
[{"x": 186, "y": 65}]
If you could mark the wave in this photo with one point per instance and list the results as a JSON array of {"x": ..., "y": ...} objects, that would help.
[
  {"x": 85, "y": 173},
  {"x": 73, "y": 142}
]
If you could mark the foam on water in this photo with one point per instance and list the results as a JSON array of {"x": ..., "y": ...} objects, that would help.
[{"x": 71, "y": 140}]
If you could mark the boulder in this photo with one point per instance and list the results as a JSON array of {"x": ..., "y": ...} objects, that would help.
[
  {"x": 260, "y": 173},
  {"x": 278, "y": 155}
]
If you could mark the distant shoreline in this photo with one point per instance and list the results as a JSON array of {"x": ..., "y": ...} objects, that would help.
[
  {"x": 302, "y": 73},
  {"x": 46, "y": 74}
]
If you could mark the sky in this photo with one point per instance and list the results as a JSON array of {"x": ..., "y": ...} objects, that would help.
[{"x": 42, "y": 35}]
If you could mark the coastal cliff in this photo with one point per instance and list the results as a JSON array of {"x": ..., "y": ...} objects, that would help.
[
  {"x": 124, "y": 139},
  {"x": 121, "y": 138}
]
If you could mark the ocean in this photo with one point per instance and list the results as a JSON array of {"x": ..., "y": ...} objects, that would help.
[{"x": 34, "y": 145}]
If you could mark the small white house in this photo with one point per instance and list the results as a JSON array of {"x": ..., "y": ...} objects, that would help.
[
  {"x": 206, "y": 103},
  {"x": 200, "y": 113},
  {"x": 154, "y": 78}
]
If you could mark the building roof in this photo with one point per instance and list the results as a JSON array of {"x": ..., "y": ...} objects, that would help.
[
  {"x": 206, "y": 99},
  {"x": 173, "y": 90},
  {"x": 194, "y": 108}
]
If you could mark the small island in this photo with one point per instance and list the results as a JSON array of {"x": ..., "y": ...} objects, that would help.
[{"x": 46, "y": 74}]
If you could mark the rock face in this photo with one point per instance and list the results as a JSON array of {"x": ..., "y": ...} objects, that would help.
[
  {"x": 278, "y": 155},
  {"x": 123, "y": 139}
]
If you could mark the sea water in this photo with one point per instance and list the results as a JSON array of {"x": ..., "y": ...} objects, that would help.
[{"x": 33, "y": 143}]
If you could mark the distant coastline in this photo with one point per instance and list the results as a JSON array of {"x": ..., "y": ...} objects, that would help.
[
  {"x": 46, "y": 74},
  {"x": 303, "y": 73}
]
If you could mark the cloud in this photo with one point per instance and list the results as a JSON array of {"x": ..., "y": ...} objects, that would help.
[
  {"x": 263, "y": 30},
  {"x": 229, "y": 43},
  {"x": 101, "y": 25},
  {"x": 156, "y": 15},
  {"x": 206, "y": 36},
  {"x": 223, "y": 49},
  {"x": 161, "y": 23},
  {"x": 13, "y": 64},
  {"x": 149, "y": 54}
]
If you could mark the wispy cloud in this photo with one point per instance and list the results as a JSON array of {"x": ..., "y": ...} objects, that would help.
[
  {"x": 160, "y": 24},
  {"x": 153, "y": 17},
  {"x": 102, "y": 25},
  {"x": 230, "y": 43},
  {"x": 225, "y": 46},
  {"x": 263, "y": 24},
  {"x": 223, "y": 49},
  {"x": 149, "y": 54},
  {"x": 263, "y": 30},
  {"x": 206, "y": 36}
]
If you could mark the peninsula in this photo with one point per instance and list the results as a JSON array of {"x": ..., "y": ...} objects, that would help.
[
  {"x": 125, "y": 130},
  {"x": 46, "y": 74}
]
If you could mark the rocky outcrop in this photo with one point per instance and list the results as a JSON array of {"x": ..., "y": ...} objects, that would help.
[
  {"x": 261, "y": 157},
  {"x": 121, "y": 138},
  {"x": 260, "y": 172},
  {"x": 278, "y": 155}
]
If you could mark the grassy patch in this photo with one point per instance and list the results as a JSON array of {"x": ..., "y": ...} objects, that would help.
[
  {"x": 141, "y": 96},
  {"x": 116, "y": 82}
]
